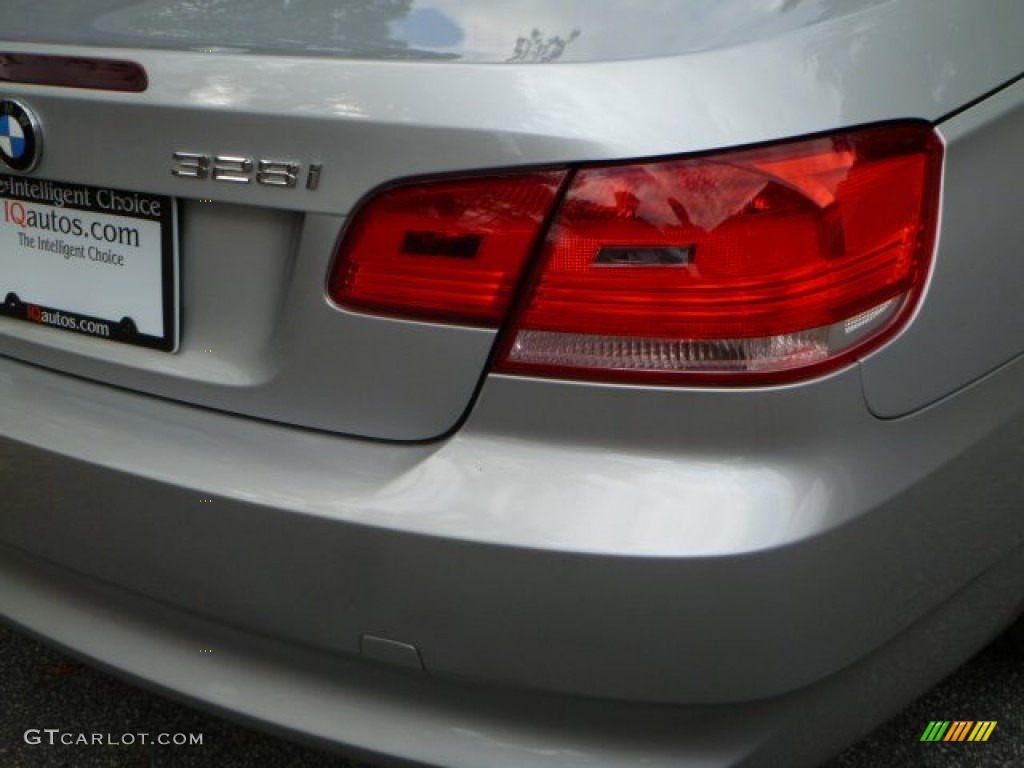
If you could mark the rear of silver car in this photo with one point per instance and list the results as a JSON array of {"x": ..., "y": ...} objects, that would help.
[{"x": 394, "y": 547}]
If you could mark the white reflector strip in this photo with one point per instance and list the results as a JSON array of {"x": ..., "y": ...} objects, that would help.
[{"x": 628, "y": 353}]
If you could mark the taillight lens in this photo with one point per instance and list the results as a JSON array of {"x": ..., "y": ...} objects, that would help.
[
  {"x": 447, "y": 250},
  {"x": 741, "y": 267}
]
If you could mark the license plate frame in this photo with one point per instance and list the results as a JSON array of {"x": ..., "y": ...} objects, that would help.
[{"x": 96, "y": 261}]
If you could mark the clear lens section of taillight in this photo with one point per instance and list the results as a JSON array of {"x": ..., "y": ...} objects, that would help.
[
  {"x": 451, "y": 250},
  {"x": 747, "y": 266}
]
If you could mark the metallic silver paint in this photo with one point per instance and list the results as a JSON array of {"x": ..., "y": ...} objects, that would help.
[
  {"x": 807, "y": 551},
  {"x": 783, "y": 545},
  {"x": 424, "y": 720},
  {"x": 763, "y": 616},
  {"x": 370, "y": 122},
  {"x": 971, "y": 321},
  {"x": 439, "y": 30}
]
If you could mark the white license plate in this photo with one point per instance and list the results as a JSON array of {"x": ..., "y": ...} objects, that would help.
[{"x": 90, "y": 260}]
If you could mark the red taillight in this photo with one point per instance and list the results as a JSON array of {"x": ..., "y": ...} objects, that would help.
[
  {"x": 746, "y": 266},
  {"x": 447, "y": 250}
]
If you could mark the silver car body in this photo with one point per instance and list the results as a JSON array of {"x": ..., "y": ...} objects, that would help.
[{"x": 393, "y": 550}]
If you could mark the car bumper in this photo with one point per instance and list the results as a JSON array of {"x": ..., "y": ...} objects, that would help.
[
  {"x": 599, "y": 596},
  {"x": 395, "y": 718}
]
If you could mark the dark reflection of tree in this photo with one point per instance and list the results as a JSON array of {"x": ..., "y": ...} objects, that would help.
[
  {"x": 350, "y": 27},
  {"x": 823, "y": 8},
  {"x": 357, "y": 24},
  {"x": 537, "y": 48}
]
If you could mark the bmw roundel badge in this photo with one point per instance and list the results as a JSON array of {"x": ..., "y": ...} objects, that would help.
[{"x": 21, "y": 141}]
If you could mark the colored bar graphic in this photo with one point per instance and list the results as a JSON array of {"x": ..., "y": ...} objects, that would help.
[
  {"x": 958, "y": 730},
  {"x": 982, "y": 730},
  {"x": 935, "y": 730}
]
